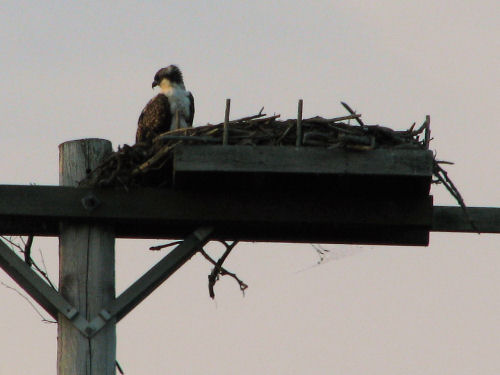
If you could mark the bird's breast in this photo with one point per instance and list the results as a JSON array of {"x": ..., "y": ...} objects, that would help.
[{"x": 179, "y": 101}]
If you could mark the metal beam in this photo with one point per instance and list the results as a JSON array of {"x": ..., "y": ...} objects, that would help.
[
  {"x": 152, "y": 279},
  {"x": 278, "y": 216},
  {"x": 53, "y": 302},
  {"x": 453, "y": 219},
  {"x": 37, "y": 288}
]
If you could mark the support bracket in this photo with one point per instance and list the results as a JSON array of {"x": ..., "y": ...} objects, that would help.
[
  {"x": 54, "y": 303},
  {"x": 37, "y": 288},
  {"x": 152, "y": 279}
]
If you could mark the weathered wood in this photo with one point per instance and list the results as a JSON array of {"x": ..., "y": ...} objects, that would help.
[
  {"x": 225, "y": 133},
  {"x": 307, "y": 160},
  {"x": 298, "y": 142},
  {"x": 266, "y": 216},
  {"x": 378, "y": 172},
  {"x": 86, "y": 271}
]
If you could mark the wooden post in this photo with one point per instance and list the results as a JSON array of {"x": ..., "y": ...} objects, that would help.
[
  {"x": 427, "y": 134},
  {"x": 86, "y": 271},
  {"x": 299, "y": 124},
  {"x": 225, "y": 131}
]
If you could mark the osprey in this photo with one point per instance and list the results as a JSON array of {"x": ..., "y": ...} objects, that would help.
[{"x": 172, "y": 108}]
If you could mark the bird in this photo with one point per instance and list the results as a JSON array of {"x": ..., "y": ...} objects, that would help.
[{"x": 172, "y": 108}]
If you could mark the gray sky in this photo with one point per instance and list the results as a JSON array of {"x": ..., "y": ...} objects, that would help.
[{"x": 71, "y": 70}]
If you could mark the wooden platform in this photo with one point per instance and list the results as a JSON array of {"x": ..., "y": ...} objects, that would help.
[{"x": 382, "y": 172}]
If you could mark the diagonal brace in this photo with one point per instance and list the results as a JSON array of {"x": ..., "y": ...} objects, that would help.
[
  {"x": 53, "y": 302},
  {"x": 152, "y": 279},
  {"x": 37, "y": 288}
]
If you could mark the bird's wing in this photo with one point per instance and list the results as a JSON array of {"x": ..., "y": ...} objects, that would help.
[
  {"x": 155, "y": 119},
  {"x": 191, "y": 110}
]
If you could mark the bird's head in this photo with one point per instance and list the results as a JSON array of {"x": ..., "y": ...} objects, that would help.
[{"x": 168, "y": 77}]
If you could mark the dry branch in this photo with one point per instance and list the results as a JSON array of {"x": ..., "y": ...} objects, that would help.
[
  {"x": 27, "y": 251},
  {"x": 27, "y": 246},
  {"x": 352, "y": 112},
  {"x": 159, "y": 247},
  {"x": 218, "y": 270},
  {"x": 442, "y": 177},
  {"x": 33, "y": 306}
]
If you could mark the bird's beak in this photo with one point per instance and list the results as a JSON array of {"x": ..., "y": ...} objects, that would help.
[{"x": 154, "y": 84}]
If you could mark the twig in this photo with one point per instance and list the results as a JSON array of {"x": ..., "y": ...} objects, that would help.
[
  {"x": 263, "y": 119},
  {"x": 321, "y": 120},
  {"x": 442, "y": 176},
  {"x": 33, "y": 263},
  {"x": 120, "y": 370},
  {"x": 175, "y": 132},
  {"x": 247, "y": 118},
  {"x": 12, "y": 243},
  {"x": 219, "y": 270},
  {"x": 27, "y": 250},
  {"x": 147, "y": 164},
  {"x": 159, "y": 247},
  {"x": 45, "y": 320},
  {"x": 285, "y": 133},
  {"x": 44, "y": 266},
  {"x": 421, "y": 128},
  {"x": 352, "y": 112}
]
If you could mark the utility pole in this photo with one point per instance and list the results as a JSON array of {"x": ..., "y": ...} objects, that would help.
[
  {"x": 86, "y": 271},
  {"x": 399, "y": 211}
]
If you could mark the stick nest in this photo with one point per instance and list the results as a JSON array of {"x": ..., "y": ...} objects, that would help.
[{"x": 150, "y": 164}]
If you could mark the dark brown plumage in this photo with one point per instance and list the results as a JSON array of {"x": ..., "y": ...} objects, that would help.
[
  {"x": 191, "y": 110},
  {"x": 155, "y": 119}
]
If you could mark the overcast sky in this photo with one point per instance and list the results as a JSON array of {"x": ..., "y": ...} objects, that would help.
[{"x": 72, "y": 70}]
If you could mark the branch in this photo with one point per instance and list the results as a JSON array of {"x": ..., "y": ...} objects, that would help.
[
  {"x": 27, "y": 251},
  {"x": 12, "y": 243},
  {"x": 147, "y": 164},
  {"x": 423, "y": 127},
  {"x": 219, "y": 270},
  {"x": 270, "y": 118},
  {"x": 352, "y": 112},
  {"x": 159, "y": 247},
  {"x": 321, "y": 120},
  {"x": 442, "y": 177},
  {"x": 27, "y": 246},
  {"x": 119, "y": 368},
  {"x": 45, "y": 320}
]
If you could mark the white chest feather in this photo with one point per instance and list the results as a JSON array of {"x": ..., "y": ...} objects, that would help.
[{"x": 178, "y": 99}]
